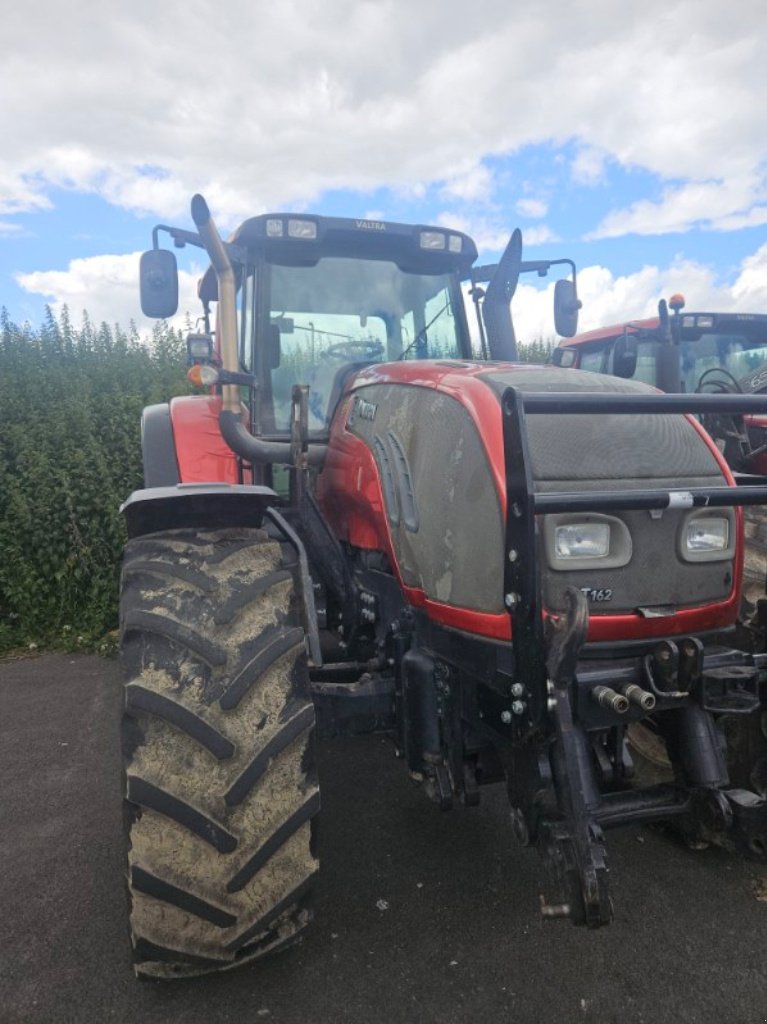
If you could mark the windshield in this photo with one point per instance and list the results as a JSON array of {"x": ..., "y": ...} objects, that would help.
[
  {"x": 340, "y": 312},
  {"x": 736, "y": 353}
]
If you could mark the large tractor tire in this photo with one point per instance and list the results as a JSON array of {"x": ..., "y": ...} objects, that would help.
[{"x": 220, "y": 786}]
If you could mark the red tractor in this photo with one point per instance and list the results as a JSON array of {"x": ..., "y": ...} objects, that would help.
[{"x": 364, "y": 527}]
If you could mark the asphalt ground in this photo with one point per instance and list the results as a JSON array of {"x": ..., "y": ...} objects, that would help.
[{"x": 422, "y": 916}]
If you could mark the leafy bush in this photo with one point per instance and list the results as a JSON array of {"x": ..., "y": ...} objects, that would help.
[
  {"x": 70, "y": 411},
  {"x": 536, "y": 351}
]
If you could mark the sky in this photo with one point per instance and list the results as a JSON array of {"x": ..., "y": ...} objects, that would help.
[{"x": 629, "y": 136}]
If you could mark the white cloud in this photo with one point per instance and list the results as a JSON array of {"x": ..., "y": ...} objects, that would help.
[
  {"x": 609, "y": 299},
  {"x": 286, "y": 100},
  {"x": 472, "y": 185},
  {"x": 107, "y": 287},
  {"x": 588, "y": 167},
  {"x": 489, "y": 236},
  {"x": 532, "y": 208},
  {"x": 750, "y": 290},
  {"x": 492, "y": 236},
  {"x": 541, "y": 234},
  {"x": 718, "y": 205}
]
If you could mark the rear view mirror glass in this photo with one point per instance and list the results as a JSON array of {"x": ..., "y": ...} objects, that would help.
[
  {"x": 625, "y": 356},
  {"x": 159, "y": 284},
  {"x": 564, "y": 357},
  {"x": 566, "y": 306}
]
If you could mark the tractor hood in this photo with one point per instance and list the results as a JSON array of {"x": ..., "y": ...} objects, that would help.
[{"x": 434, "y": 432}]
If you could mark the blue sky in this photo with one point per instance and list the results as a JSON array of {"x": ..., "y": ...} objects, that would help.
[{"x": 630, "y": 138}]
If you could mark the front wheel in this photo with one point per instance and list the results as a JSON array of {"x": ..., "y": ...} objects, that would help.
[{"x": 220, "y": 785}]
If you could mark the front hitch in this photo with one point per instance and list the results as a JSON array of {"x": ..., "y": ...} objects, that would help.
[{"x": 573, "y": 847}]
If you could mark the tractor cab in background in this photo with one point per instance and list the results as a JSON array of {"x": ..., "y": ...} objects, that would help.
[{"x": 712, "y": 351}]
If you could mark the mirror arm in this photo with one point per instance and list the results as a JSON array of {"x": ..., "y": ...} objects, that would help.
[{"x": 236, "y": 253}]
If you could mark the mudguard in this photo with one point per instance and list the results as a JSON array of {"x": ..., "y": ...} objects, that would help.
[{"x": 196, "y": 506}]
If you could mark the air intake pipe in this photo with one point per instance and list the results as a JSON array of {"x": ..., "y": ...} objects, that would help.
[
  {"x": 227, "y": 305},
  {"x": 240, "y": 440},
  {"x": 254, "y": 449}
]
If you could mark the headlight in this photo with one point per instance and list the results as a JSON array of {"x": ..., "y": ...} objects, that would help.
[
  {"x": 302, "y": 229},
  {"x": 707, "y": 538},
  {"x": 199, "y": 346},
  {"x": 582, "y": 540},
  {"x": 707, "y": 535},
  {"x": 433, "y": 240},
  {"x": 586, "y": 541}
]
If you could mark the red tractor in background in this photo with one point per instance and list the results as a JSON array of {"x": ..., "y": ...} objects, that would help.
[{"x": 364, "y": 527}]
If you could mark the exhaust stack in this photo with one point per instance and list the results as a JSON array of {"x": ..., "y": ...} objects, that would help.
[{"x": 227, "y": 303}]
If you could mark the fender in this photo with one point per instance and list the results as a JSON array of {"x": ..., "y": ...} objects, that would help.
[
  {"x": 158, "y": 451},
  {"x": 196, "y": 506}
]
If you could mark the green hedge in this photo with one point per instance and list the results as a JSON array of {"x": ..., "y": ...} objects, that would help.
[{"x": 70, "y": 410}]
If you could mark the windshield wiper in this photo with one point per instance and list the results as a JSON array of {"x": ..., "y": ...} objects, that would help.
[{"x": 421, "y": 336}]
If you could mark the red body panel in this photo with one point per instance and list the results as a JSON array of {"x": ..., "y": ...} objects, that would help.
[
  {"x": 203, "y": 455},
  {"x": 613, "y": 331},
  {"x": 350, "y": 494}
]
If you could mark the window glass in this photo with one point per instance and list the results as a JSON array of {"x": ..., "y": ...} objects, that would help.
[
  {"x": 592, "y": 359},
  {"x": 738, "y": 354},
  {"x": 245, "y": 319},
  {"x": 341, "y": 312},
  {"x": 646, "y": 358}
]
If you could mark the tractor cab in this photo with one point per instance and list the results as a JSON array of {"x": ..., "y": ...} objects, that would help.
[
  {"x": 318, "y": 297},
  {"x": 720, "y": 351}
]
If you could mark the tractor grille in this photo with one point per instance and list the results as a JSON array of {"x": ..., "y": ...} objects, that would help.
[{"x": 582, "y": 453}]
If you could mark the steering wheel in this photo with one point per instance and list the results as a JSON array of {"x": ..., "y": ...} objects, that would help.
[
  {"x": 354, "y": 350},
  {"x": 725, "y": 385}
]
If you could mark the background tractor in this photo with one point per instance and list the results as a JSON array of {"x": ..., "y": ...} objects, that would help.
[{"x": 365, "y": 526}]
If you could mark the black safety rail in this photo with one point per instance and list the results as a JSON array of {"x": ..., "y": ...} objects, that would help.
[{"x": 522, "y": 585}]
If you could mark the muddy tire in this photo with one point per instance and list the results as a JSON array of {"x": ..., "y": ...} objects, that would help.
[{"x": 220, "y": 786}]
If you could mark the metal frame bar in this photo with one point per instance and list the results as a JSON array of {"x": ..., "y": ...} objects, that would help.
[{"x": 522, "y": 583}]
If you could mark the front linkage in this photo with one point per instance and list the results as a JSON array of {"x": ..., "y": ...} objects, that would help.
[{"x": 568, "y": 715}]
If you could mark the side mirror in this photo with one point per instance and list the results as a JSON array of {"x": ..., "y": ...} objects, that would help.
[
  {"x": 159, "y": 284},
  {"x": 286, "y": 324},
  {"x": 273, "y": 347},
  {"x": 625, "y": 356},
  {"x": 566, "y": 306}
]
